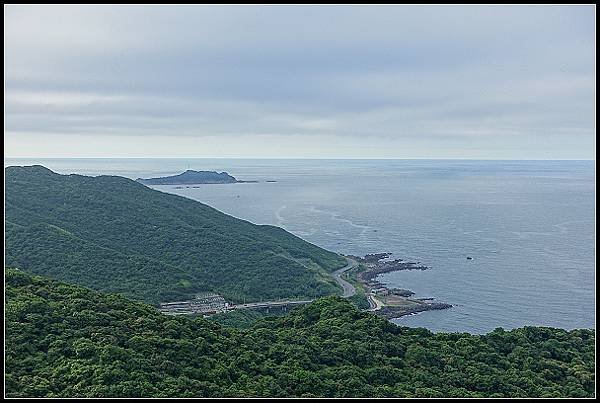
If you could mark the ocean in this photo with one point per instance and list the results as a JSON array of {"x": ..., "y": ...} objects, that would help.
[{"x": 529, "y": 226}]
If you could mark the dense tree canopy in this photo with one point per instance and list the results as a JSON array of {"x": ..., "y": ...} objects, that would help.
[
  {"x": 65, "y": 340},
  {"x": 114, "y": 234}
]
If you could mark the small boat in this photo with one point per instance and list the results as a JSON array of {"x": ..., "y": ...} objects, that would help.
[{"x": 469, "y": 258}]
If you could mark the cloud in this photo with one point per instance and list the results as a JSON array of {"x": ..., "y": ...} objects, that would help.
[{"x": 421, "y": 78}]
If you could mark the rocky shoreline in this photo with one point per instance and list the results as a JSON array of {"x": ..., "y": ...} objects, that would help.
[
  {"x": 375, "y": 266},
  {"x": 392, "y": 302}
]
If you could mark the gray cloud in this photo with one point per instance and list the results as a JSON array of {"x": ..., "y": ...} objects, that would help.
[{"x": 394, "y": 81}]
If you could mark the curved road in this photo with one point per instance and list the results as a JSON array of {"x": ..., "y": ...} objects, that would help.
[
  {"x": 349, "y": 289},
  {"x": 374, "y": 302}
]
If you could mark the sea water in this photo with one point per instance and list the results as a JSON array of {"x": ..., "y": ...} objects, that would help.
[{"x": 529, "y": 226}]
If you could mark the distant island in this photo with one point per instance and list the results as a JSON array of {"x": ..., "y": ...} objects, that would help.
[{"x": 191, "y": 177}]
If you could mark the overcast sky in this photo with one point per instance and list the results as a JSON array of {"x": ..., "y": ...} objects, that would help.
[{"x": 311, "y": 81}]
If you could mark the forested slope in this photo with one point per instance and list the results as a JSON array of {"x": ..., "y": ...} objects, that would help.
[
  {"x": 65, "y": 340},
  {"x": 114, "y": 234}
]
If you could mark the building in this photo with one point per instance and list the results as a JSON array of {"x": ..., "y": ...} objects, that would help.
[
  {"x": 380, "y": 291},
  {"x": 205, "y": 303}
]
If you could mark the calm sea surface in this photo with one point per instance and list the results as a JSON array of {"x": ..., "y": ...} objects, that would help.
[{"x": 529, "y": 226}]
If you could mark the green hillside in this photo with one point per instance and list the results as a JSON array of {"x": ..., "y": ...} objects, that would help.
[
  {"x": 114, "y": 234},
  {"x": 64, "y": 340}
]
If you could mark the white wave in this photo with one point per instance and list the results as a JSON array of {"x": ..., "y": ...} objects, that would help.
[
  {"x": 279, "y": 217},
  {"x": 337, "y": 217}
]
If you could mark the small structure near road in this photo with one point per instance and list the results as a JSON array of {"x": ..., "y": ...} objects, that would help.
[
  {"x": 206, "y": 303},
  {"x": 380, "y": 291},
  {"x": 210, "y": 303}
]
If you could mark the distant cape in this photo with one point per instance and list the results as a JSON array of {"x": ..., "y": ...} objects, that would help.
[{"x": 191, "y": 177}]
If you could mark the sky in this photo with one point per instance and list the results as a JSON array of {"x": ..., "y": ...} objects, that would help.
[{"x": 481, "y": 82}]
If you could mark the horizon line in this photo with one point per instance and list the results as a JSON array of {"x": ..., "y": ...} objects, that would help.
[{"x": 313, "y": 158}]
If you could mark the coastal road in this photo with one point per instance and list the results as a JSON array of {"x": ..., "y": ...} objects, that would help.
[
  {"x": 374, "y": 302},
  {"x": 349, "y": 289}
]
